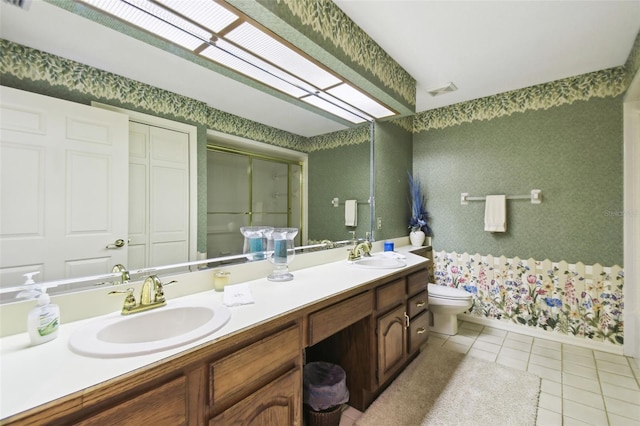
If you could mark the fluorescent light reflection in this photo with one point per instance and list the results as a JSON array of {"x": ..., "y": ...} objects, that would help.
[
  {"x": 196, "y": 24},
  {"x": 262, "y": 45},
  {"x": 176, "y": 31}
]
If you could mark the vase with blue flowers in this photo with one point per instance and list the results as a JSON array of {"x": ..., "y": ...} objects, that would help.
[{"x": 418, "y": 221}]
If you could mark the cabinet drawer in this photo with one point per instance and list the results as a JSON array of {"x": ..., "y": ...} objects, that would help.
[
  {"x": 329, "y": 321},
  {"x": 250, "y": 368},
  {"x": 417, "y": 304},
  {"x": 417, "y": 282},
  {"x": 418, "y": 331},
  {"x": 389, "y": 295}
]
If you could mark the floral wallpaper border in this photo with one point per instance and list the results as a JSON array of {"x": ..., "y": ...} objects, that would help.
[
  {"x": 585, "y": 301},
  {"x": 25, "y": 63},
  {"x": 606, "y": 83}
]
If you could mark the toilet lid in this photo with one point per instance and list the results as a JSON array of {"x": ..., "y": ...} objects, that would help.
[{"x": 445, "y": 292}]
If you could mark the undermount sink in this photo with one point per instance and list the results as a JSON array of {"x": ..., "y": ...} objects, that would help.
[
  {"x": 163, "y": 328},
  {"x": 379, "y": 262}
]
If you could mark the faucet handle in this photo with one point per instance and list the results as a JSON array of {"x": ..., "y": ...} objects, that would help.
[
  {"x": 159, "y": 298},
  {"x": 129, "y": 300}
]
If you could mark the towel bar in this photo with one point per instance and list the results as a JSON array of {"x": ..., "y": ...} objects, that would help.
[
  {"x": 535, "y": 196},
  {"x": 336, "y": 202}
]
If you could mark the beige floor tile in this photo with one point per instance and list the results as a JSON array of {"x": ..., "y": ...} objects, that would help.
[
  {"x": 494, "y": 331},
  {"x": 467, "y": 332},
  {"x": 617, "y": 420},
  {"x": 583, "y": 397},
  {"x": 515, "y": 354},
  {"x": 555, "y": 364},
  {"x": 548, "y": 418},
  {"x": 547, "y": 344},
  {"x": 548, "y": 352},
  {"x": 581, "y": 370},
  {"x": 471, "y": 326},
  {"x": 616, "y": 379},
  {"x": 518, "y": 338},
  {"x": 577, "y": 350},
  {"x": 478, "y": 353},
  {"x": 517, "y": 364},
  {"x": 568, "y": 421},
  {"x": 569, "y": 358},
  {"x": 486, "y": 346},
  {"x": 624, "y": 394},
  {"x": 580, "y": 382},
  {"x": 622, "y": 408},
  {"x": 545, "y": 372},
  {"x": 491, "y": 338},
  {"x": 551, "y": 387},
  {"x": 515, "y": 344},
  {"x": 605, "y": 356},
  {"x": 462, "y": 340},
  {"x": 612, "y": 367},
  {"x": 550, "y": 402},
  {"x": 584, "y": 413}
]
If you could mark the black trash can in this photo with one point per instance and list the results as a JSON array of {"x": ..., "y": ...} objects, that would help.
[{"x": 324, "y": 391}]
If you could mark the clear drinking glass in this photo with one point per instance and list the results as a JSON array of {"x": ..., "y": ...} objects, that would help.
[{"x": 280, "y": 252}]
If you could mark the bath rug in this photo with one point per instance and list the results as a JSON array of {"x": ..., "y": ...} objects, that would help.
[{"x": 443, "y": 387}]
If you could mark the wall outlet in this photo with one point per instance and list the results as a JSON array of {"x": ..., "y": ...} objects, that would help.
[{"x": 379, "y": 223}]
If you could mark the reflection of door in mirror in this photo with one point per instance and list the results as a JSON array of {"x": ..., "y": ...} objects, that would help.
[
  {"x": 64, "y": 169},
  {"x": 158, "y": 196},
  {"x": 244, "y": 190}
]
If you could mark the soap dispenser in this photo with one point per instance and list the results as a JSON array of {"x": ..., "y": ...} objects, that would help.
[{"x": 43, "y": 320}]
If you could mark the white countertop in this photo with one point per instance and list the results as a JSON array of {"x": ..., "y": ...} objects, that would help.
[{"x": 33, "y": 375}]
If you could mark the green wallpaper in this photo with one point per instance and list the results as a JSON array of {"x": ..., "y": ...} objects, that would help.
[
  {"x": 342, "y": 172},
  {"x": 573, "y": 153},
  {"x": 392, "y": 159}
]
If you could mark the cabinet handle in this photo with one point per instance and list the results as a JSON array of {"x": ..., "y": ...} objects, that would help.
[
  {"x": 406, "y": 320},
  {"x": 421, "y": 330},
  {"x": 420, "y": 303}
]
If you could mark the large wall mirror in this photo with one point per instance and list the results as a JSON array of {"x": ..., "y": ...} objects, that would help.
[{"x": 340, "y": 172}]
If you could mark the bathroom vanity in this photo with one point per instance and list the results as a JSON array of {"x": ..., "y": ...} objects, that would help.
[{"x": 250, "y": 372}]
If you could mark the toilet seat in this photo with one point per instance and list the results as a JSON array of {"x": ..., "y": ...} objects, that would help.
[{"x": 449, "y": 293}]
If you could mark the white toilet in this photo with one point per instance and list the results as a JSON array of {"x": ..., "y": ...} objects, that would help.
[{"x": 446, "y": 303}]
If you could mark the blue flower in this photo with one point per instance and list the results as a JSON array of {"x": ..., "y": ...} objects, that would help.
[
  {"x": 471, "y": 289},
  {"x": 553, "y": 302}
]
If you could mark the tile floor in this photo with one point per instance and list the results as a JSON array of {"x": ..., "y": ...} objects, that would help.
[{"x": 579, "y": 386}]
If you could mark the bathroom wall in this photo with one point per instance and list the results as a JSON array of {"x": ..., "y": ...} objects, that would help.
[{"x": 573, "y": 153}]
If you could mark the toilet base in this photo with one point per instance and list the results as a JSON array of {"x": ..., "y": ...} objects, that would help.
[{"x": 445, "y": 324}]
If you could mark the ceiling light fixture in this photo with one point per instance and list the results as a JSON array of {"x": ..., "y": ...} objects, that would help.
[{"x": 223, "y": 35}]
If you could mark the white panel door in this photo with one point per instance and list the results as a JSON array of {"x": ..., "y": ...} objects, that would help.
[
  {"x": 159, "y": 196},
  {"x": 63, "y": 187}
]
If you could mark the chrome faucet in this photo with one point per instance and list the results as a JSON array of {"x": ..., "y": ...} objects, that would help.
[{"x": 151, "y": 296}]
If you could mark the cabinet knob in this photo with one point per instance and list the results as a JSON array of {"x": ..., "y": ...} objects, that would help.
[
  {"x": 420, "y": 303},
  {"x": 421, "y": 330}
]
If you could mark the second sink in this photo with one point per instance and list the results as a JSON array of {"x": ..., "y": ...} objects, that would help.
[{"x": 379, "y": 262}]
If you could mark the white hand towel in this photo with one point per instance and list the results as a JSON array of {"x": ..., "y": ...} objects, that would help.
[
  {"x": 351, "y": 213},
  {"x": 236, "y": 295},
  {"x": 495, "y": 213}
]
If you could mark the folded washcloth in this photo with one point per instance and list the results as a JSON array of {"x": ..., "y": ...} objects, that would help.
[{"x": 236, "y": 295}]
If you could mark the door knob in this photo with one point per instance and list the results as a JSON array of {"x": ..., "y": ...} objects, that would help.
[{"x": 117, "y": 244}]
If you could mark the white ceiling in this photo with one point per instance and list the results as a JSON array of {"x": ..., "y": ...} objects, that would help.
[
  {"x": 483, "y": 47},
  {"x": 489, "y": 47}
]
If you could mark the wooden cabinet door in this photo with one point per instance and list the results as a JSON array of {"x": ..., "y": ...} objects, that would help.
[
  {"x": 277, "y": 404},
  {"x": 163, "y": 405},
  {"x": 392, "y": 338}
]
